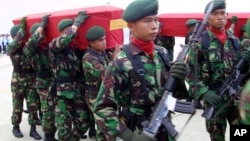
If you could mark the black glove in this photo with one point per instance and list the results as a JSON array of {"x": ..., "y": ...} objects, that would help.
[
  {"x": 82, "y": 16},
  {"x": 179, "y": 70},
  {"x": 128, "y": 135},
  {"x": 45, "y": 19},
  {"x": 234, "y": 19},
  {"x": 212, "y": 99},
  {"x": 246, "y": 55}
]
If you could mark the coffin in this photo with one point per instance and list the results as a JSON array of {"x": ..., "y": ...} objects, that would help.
[
  {"x": 174, "y": 24},
  {"x": 109, "y": 17}
]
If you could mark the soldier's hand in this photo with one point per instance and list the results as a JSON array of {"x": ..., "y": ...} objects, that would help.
[
  {"x": 45, "y": 19},
  {"x": 246, "y": 55},
  {"x": 116, "y": 50},
  {"x": 23, "y": 22},
  {"x": 234, "y": 19},
  {"x": 179, "y": 70},
  {"x": 212, "y": 99},
  {"x": 128, "y": 135},
  {"x": 82, "y": 16}
]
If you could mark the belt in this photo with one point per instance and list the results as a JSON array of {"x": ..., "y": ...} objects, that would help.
[
  {"x": 44, "y": 75},
  {"x": 66, "y": 79},
  {"x": 23, "y": 71}
]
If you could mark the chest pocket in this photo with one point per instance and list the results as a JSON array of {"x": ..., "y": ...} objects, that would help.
[
  {"x": 141, "y": 87},
  {"x": 219, "y": 60}
]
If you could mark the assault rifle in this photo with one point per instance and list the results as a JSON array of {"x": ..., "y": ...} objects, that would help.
[
  {"x": 159, "y": 116},
  {"x": 227, "y": 87}
]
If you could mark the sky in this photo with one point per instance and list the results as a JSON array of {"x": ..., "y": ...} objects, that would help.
[{"x": 12, "y": 9}]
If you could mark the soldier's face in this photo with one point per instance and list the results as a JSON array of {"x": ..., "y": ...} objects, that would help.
[
  {"x": 99, "y": 44},
  {"x": 218, "y": 19},
  {"x": 145, "y": 29}
]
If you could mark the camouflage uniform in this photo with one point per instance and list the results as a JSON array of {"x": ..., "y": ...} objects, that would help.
[
  {"x": 71, "y": 108},
  {"x": 167, "y": 42},
  {"x": 94, "y": 65},
  {"x": 222, "y": 63},
  {"x": 122, "y": 88},
  {"x": 22, "y": 84},
  {"x": 245, "y": 44},
  {"x": 245, "y": 105},
  {"x": 37, "y": 53}
]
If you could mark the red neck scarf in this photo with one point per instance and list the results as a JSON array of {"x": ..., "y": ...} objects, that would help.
[
  {"x": 220, "y": 34},
  {"x": 147, "y": 47}
]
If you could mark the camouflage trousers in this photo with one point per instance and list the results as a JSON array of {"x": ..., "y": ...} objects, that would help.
[
  {"x": 19, "y": 93},
  {"x": 217, "y": 126},
  {"x": 90, "y": 102},
  {"x": 72, "y": 118},
  {"x": 48, "y": 110}
]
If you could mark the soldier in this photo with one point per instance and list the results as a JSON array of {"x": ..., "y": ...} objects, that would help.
[
  {"x": 36, "y": 49},
  {"x": 94, "y": 63},
  {"x": 122, "y": 85},
  {"x": 190, "y": 23},
  {"x": 167, "y": 42},
  {"x": 245, "y": 94},
  {"x": 22, "y": 83},
  {"x": 218, "y": 53},
  {"x": 71, "y": 108}
]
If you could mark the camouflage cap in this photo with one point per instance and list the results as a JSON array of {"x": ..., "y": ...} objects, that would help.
[
  {"x": 14, "y": 30},
  {"x": 139, "y": 9},
  {"x": 248, "y": 28},
  {"x": 64, "y": 23},
  {"x": 95, "y": 32},
  {"x": 218, "y": 4},
  {"x": 34, "y": 27},
  {"x": 191, "y": 22}
]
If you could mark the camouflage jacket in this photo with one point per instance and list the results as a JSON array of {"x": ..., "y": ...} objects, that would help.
[
  {"x": 94, "y": 65},
  {"x": 245, "y": 44},
  {"x": 121, "y": 88},
  {"x": 167, "y": 42},
  {"x": 22, "y": 70},
  {"x": 245, "y": 104},
  {"x": 66, "y": 66},
  {"x": 214, "y": 65}
]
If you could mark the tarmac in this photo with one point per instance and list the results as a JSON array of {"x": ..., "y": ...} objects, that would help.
[{"x": 193, "y": 131}]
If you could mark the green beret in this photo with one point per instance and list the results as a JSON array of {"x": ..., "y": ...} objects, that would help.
[
  {"x": 248, "y": 28},
  {"x": 191, "y": 22},
  {"x": 218, "y": 4},
  {"x": 64, "y": 23},
  {"x": 95, "y": 32},
  {"x": 139, "y": 9},
  {"x": 14, "y": 30},
  {"x": 34, "y": 27}
]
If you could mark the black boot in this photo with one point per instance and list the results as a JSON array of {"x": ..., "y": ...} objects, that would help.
[
  {"x": 53, "y": 136},
  {"x": 16, "y": 131},
  {"x": 92, "y": 131},
  {"x": 198, "y": 105},
  {"x": 49, "y": 137},
  {"x": 33, "y": 133},
  {"x": 84, "y": 136},
  {"x": 39, "y": 121}
]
